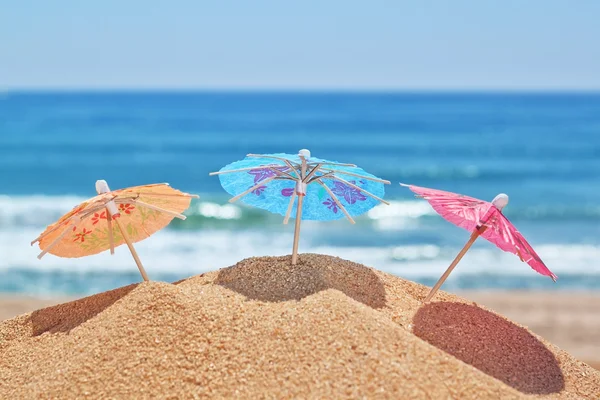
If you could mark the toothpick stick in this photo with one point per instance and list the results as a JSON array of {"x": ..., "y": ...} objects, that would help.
[
  {"x": 460, "y": 255},
  {"x": 289, "y": 209},
  {"x": 298, "y": 215},
  {"x": 297, "y": 230},
  {"x": 131, "y": 248},
  {"x": 111, "y": 239}
]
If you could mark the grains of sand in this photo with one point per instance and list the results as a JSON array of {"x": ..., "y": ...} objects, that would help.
[{"x": 325, "y": 328}]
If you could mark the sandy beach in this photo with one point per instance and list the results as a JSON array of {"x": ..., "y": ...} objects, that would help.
[
  {"x": 325, "y": 328},
  {"x": 568, "y": 319}
]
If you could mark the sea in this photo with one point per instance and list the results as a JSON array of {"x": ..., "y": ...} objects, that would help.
[{"x": 542, "y": 149}]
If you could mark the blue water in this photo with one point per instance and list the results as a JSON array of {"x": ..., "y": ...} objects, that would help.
[{"x": 543, "y": 150}]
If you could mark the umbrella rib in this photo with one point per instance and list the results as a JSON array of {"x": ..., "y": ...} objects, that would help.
[
  {"x": 337, "y": 201},
  {"x": 239, "y": 196},
  {"x": 359, "y": 188},
  {"x": 311, "y": 173},
  {"x": 57, "y": 239},
  {"x": 293, "y": 168},
  {"x": 327, "y": 175},
  {"x": 282, "y": 172},
  {"x": 285, "y": 160},
  {"x": 50, "y": 231},
  {"x": 160, "y": 209},
  {"x": 357, "y": 175},
  {"x": 289, "y": 209},
  {"x": 92, "y": 210}
]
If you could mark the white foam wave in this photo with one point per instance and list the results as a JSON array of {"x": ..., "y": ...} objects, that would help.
[
  {"x": 166, "y": 251},
  {"x": 218, "y": 211},
  {"x": 399, "y": 215},
  {"x": 422, "y": 261},
  {"x": 37, "y": 210},
  {"x": 40, "y": 210},
  {"x": 193, "y": 252}
]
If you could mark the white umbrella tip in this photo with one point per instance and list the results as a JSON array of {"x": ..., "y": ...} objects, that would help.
[
  {"x": 500, "y": 201},
  {"x": 102, "y": 186},
  {"x": 304, "y": 153}
]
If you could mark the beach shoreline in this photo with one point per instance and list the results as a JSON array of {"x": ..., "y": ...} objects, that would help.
[{"x": 570, "y": 320}]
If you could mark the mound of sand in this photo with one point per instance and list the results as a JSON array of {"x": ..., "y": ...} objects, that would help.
[{"x": 326, "y": 328}]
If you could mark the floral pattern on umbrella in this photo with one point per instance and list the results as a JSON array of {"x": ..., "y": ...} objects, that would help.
[
  {"x": 350, "y": 194},
  {"x": 90, "y": 235}
]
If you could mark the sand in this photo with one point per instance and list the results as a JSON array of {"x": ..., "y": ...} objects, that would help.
[
  {"x": 568, "y": 320},
  {"x": 326, "y": 328}
]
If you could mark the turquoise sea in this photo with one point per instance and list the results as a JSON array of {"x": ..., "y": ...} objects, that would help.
[{"x": 543, "y": 150}]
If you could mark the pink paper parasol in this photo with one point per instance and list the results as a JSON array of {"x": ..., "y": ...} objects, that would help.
[{"x": 481, "y": 218}]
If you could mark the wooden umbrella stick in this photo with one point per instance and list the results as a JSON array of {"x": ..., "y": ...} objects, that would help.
[
  {"x": 253, "y": 188},
  {"x": 289, "y": 209},
  {"x": 302, "y": 186},
  {"x": 358, "y": 176},
  {"x": 159, "y": 209},
  {"x": 339, "y": 204},
  {"x": 131, "y": 249},
  {"x": 297, "y": 230},
  {"x": 460, "y": 255},
  {"x": 111, "y": 239},
  {"x": 361, "y": 189},
  {"x": 72, "y": 225}
]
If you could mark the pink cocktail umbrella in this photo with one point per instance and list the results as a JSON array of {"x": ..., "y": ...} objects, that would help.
[{"x": 481, "y": 218}]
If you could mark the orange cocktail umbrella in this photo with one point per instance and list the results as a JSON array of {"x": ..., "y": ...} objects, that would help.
[{"x": 113, "y": 218}]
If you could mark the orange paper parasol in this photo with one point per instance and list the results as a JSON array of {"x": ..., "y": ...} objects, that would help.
[{"x": 113, "y": 218}]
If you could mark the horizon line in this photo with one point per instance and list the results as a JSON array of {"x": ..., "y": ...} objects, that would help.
[{"x": 322, "y": 90}]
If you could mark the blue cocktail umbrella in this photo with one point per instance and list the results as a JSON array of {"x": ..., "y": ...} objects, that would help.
[{"x": 320, "y": 190}]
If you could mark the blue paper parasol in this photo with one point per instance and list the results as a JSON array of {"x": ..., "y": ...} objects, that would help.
[{"x": 303, "y": 186}]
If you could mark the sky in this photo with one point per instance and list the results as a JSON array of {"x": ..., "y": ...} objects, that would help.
[{"x": 308, "y": 44}]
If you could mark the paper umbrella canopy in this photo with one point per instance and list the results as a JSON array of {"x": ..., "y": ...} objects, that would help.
[
  {"x": 113, "y": 218},
  {"x": 302, "y": 187}
]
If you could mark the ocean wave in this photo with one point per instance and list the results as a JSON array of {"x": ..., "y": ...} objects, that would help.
[
  {"x": 199, "y": 251},
  {"x": 170, "y": 256},
  {"x": 40, "y": 211}
]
